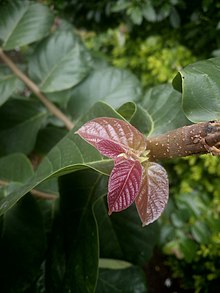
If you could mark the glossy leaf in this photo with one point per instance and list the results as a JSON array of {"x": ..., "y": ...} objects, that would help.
[
  {"x": 154, "y": 193},
  {"x": 112, "y": 85},
  {"x": 200, "y": 86},
  {"x": 59, "y": 62},
  {"x": 115, "y": 131},
  {"x": 23, "y": 22},
  {"x": 20, "y": 119},
  {"x": 124, "y": 184},
  {"x": 70, "y": 154}
]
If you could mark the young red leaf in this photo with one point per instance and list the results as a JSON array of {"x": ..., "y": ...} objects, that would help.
[
  {"x": 124, "y": 184},
  {"x": 112, "y": 130},
  {"x": 109, "y": 148},
  {"x": 154, "y": 192}
]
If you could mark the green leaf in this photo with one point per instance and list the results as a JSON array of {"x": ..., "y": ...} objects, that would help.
[
  {"x": 8, "y": 85},
  {"x": 121, "y": 232},
  {"x": 70, "y": 154},
  {"x": 80, "y": 229},
  {"x": 15, "y": 167},
  {"x": 59, "y": 62},
  {"x": 20, "y": 121},
  {"x": 163, "y": 104},
  {"x": 188, "y": 248},
  {"x": 23, "y": 246},
  {"x": 200, "y": 90},
  {"x": 23, "y": 22},
  {"x": 48, "y": 137},
  {"x": 116, "y": 276},
  {"x": 114, "y": 86},
  {"x": 200, "y": 232},
  {"x": 137, "y": 116}
]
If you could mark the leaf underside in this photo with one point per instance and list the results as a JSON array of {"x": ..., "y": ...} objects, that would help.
[
  {"x": 124, "y": 184},
  {"x": 154, "y": 192}
]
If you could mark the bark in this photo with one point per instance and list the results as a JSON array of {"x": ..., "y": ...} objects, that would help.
[{"x": 196, "y": 139}]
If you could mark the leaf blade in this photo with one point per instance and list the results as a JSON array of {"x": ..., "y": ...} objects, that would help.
[
  {"x": 154, "y": 192},
  {"x": 59, "y": 62},
  {"x": 124, "y": 184},
  {"x": 23, "y": 22},
  {"x": 115, "y": 131}
]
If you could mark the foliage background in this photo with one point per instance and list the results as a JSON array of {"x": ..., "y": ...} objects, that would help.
[{"x": 154, "y": 40}]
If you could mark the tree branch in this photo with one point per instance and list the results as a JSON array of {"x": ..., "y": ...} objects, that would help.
[
  {"x": 196, "y": 139},
  {"x": 35, "y": 89}
]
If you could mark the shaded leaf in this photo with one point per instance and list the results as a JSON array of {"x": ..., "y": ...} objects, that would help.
[
  {"x": 114, "y": 86},
  {"x": 124, "y": 184},
  {"x": 59, "y": 62},
  {"x": 122, "y": 237},
  {"x": 19, "y": 120},
  {"x": 200, "y": 86},
  {"x": 23, "y": 22},
  {"x": 154, "y": 193},
  {"x": 23, "y": 246},
  {"x": 15, "y": 167},
  {"x": 116, "y": 276},
  {"x": 115, "y": 131}
]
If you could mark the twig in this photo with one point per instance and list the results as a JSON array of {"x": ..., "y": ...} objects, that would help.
[
  {"x": 196, "y": 139},
  {"x": 35, "y": 192},
  {"x": 35, "y": 89}
]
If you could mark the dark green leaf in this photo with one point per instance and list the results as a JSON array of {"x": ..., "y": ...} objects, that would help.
[
  {"x": 77, "y": 270},
  {"x": 188, "y": 248},
  {"x": 70, "y": 154},
  {"x": 59, "y": 62},
  {"x": 201, "y": 90},
  {"x": 48, "y": 137},
  {"x": 23, "y": 22},
  {"x": 137, "y": 116},
  {"x": 15, "y": 167},
  {"x": 117, "y": 276},
  {"x": 20, "y": 121},
  {"x": 23, "y": 246},
  {"x": 163, "y": 104},
  {"x": 109, "y": 84},
  {"x": 121, "y": 232},
  {"x": 200, "y": 232}
]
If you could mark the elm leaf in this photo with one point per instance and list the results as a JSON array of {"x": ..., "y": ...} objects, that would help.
[
  {"x": 124, "y": 184},
  {"x": 114, "y": 130},
  {"x": 154, "y": 192}
]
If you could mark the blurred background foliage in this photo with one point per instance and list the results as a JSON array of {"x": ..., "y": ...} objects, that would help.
[{"x": 155, "y": 39}]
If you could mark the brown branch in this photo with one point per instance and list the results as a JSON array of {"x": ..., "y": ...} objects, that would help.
[
  {"x": 35, "y": 89},
  {"x": 35, "y": 192},
  {"x": 196, "y": 139}
]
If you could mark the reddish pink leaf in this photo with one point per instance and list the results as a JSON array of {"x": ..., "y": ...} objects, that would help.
[
  {"x": 124, "y": 184},
  {"x": 119, "y": 132},
  {"x": 109, "y": 148},
  {"x": 154, "y": 192}
]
